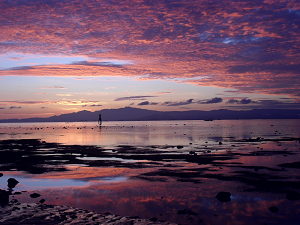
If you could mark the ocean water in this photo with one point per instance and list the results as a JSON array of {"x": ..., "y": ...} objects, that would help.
[
  {"x": 150, "y": 132},
  {"x": 170, "y": 170}
]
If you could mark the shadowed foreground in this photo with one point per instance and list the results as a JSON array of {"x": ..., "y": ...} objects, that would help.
[
  {"x": 244, "y": 181},
  {"x": 33, "y": 213}
]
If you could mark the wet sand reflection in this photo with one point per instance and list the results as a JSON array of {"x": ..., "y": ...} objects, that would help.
[{"x": 177, "y": 183}]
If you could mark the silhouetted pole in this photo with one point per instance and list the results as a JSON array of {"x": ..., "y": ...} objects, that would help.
[{"x": 100, "y": 120}]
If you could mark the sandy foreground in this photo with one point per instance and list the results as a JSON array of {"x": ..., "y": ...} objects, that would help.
[{"x": 36, "y": 213}]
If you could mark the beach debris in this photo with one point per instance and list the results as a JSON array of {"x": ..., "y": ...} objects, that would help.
[
  {"x": 34, "y": 195},
  {"x": 273, "y": 209},
  {"x": 223, "y": 196},
  {"x": 293, "y": 196},
  {"x": 12, "y": 182}
]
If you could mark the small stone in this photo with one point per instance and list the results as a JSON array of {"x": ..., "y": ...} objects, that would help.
[
  {"x": 188, "y": 212},
  {"x": 12, "y": 182},
  {"x": 273, "y": 209},
  {"x": 4, "y": 197},
  {"x": 223, "y": 196},
  {"x": 34, "y": 195},
  {"x": 154, "y": 219}
]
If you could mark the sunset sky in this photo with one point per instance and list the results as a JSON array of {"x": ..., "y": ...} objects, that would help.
[{"x": 63, "y": 56}]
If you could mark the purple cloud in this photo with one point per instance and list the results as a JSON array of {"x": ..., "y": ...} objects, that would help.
[
  {"x": 171, "y": 103},
  {"x": 211, "y": 101},
  {"x": 133, "y": 98},
  {"x": 242, "y": 101}
]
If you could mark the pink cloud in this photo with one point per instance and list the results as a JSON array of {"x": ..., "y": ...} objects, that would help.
[{"x": 250, "y": 46}]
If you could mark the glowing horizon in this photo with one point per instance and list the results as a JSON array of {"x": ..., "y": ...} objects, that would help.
[{"x": 65, "y": 56}]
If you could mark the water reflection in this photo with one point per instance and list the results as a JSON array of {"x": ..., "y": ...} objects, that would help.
[{"x": 171, "y": 172}]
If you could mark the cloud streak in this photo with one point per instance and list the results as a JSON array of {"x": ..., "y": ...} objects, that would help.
[
  {"x": 134, "y": 98},
  {"x": 211, "y": 101},
  {"x": 178, "y": 103}
]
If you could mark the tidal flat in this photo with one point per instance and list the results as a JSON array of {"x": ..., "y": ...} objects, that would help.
[{"x": 184, "y": 172}]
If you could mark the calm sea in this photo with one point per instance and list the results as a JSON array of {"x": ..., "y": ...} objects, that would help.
[{"x": 150, "y": 132}]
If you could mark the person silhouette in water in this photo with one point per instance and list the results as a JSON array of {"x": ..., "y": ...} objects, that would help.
[{"x": 100, "y": 120}]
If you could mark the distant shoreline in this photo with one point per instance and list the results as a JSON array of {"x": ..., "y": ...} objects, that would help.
[
  {"x": 24, "y": 122},
  {"x": 136, "y": 114}
]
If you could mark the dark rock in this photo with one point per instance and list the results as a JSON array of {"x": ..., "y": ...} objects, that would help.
[
  {"x": 34, "y": 195},
  {"x": 187, "y": 211},
  {"x": 1, "y": 174},
  {"x": 154, "y": 219},
  {"x": 4, "y": 197},
  {"x": 179, "y": 147},
  {"x": 12, "y": 182},
  {"x": 293, "y": 196},
  {"x": 42, "y": 200},
  {"x": 223, "y": 196},
  {"x": 273, "y": 209},
  {"x": 220, "y": 143}
]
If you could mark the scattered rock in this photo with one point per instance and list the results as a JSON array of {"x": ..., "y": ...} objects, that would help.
[
  {"x": 179, "y": 147},
  {"x": 33, "y": 213},
  {"x": 42, "y": 200},
  {"x": 223, "y": 196},
  {"x": 12, "y": 182},
  {"x": 293, "y": 196},
  {"x": 1, "y": 174},
  {"x": 34, "y": 195},
  {"x": 273, "y": 209}
]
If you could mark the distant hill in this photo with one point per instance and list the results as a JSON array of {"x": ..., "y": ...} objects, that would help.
[{"x": 135, "y": 114}]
